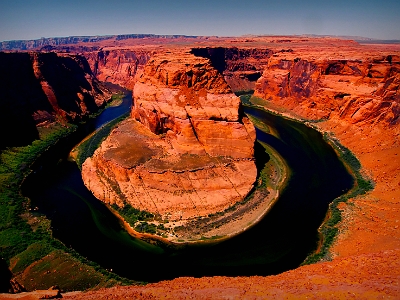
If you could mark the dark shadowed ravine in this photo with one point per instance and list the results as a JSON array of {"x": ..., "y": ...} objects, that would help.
[{"x": 279, "y": 242}]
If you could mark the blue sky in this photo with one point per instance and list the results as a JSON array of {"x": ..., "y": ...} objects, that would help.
[{"x": 33, "y": 19}]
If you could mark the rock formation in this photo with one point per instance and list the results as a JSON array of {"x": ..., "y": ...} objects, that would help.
[
  {"x": 354, "y": 88},
  {"x": 241, "y": 67},
  {"x": 38, "y": 88},
  {"x": 358, "y": 90},
  {"x": 118, "y": 66},
  {"x": 190, "y": 155}
]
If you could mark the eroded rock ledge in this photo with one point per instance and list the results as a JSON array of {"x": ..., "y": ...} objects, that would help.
[
  {"x": 356, "y": 88},
  {"x": 188, "y": 154}
]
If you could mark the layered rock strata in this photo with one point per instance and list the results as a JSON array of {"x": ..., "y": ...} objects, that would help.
[
  {"x": 241, "y": 67},
  {"x": 38, "y": 88},
  {"x": 356, "y": 90},
  {"x": 118, "y": 66},
  {"x": 366, "y": 256},
  {"x": 190, "y": 155}
]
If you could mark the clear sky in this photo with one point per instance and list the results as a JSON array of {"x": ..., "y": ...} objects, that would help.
[{"x": 33, "y": 19}]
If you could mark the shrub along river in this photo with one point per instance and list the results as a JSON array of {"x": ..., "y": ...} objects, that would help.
[{"x": 279, "y": 242}]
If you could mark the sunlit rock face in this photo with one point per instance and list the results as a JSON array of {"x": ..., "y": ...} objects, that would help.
[
  {"x": 118, "y": 66},
  {"x": 186, "y": 152},
  {"x": 356, "y": 90}
]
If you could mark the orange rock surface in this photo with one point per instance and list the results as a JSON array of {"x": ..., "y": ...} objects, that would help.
[
  {"x": 118, "y": 66},
  {"x": 201, "y": 163},
  {"x": 355, "y": 89},
  {"x": 367, "y": 276},
  {"x": 361, "y": 87},
  {"x": 152, "y": 176},
  {"x": 186, "y": 97}
]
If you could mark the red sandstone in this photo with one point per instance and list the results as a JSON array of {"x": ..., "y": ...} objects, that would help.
[{"x": 355, "y": 88}]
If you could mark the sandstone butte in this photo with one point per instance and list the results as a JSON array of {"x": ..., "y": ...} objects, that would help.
[
  {"x": 354, "y": 89},
  {"x": 185, "y": 153}
]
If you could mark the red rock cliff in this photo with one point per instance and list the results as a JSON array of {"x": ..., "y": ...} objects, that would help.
[
  {"x": 200, "y": 162},
  {"x": 43, "y": 87},
  {"x": 357, "y": 90},
  {"x": 118, "y": 66},
  {"x": 241, "y": 67},
  {"x": 188, "y": 99}
]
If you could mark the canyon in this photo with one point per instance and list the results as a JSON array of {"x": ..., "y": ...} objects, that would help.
[
  {"x": 43, "y": 88},
  {"x": 189, "y": 155},
  {"x": 347, "y": 90}
]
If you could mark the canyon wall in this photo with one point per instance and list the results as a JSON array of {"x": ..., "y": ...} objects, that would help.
[
  {"x": 355, "y": 90},
  {"x": 118, "y": 66},
  {"x": 39, "y": 88},
  {"x": 241, "y": 67},
  {"x": 353, "y": 87},
  {"x": 190, "y": 155},
  {"x": 187, "y": 98}
]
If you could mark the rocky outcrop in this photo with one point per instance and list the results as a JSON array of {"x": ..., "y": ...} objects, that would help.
[
  {"x": 188, "y": 99},
  {"x": 138, "y": 168},
  {"x": 362, "y": 90},
  {"x": 38, "y": 88},
  {"x": 241, "y": 67},
  {"x": 190, "y": 155},
  {"x": 118, "y": 66}
]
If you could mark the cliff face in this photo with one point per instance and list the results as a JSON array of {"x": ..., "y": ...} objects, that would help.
[
  {"x": 200, "y": 162},
  {"x": 241, "y": 67},
  {"x": 363, "y": 90},
  {"x": 187, "y": 98},
  {"x": 117, "y": 66},
  {"x": 41, "y": 88},
  {"x": 315, "y": 78}
]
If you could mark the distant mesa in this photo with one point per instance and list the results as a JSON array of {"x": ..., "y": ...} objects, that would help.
[{"x": 45, "y": 43}]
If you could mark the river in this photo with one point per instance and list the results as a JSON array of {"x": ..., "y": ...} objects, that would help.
[{"x": 279, "y": 242}]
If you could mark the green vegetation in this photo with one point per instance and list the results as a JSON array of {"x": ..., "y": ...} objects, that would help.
[
  {"x": 140, "y": 220},
  {"x": 362, "y": 185},
  {"x": 15, "y": 233},
  {"x": 60, "y": 268},
  {"x": 245, "y": 98},
  {"x": 133, "y": 215},
  {"x": 26, "y": 238},
  {"x": 87, "y": 147},
  {"x": 33, "y": 253},
  {"x": 146, "y": 227},
  {"x": 116, "y": 99},
  {"x": 328, "y": 230},
  {"x": 275, "y": 172}
]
